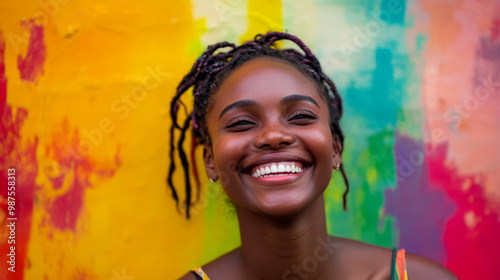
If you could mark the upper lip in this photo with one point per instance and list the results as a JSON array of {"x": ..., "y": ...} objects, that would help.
[{"x": 275, "y": 157}]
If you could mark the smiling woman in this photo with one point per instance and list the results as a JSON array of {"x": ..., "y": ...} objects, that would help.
[
  {"x": 268, "y": 120},
  {"x": 282, "y": 122}
]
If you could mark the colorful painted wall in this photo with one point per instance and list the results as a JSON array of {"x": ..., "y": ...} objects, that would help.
[{"x": 84, "y": 103}]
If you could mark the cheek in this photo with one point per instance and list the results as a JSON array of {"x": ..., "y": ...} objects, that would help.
[
  {"x": 227, "y": 153},
  {"x": 320, "y": 142},
  {"x": 322, "y": 147}
]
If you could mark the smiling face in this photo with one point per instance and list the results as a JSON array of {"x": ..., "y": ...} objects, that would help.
[{"x": 272, "y": 146}]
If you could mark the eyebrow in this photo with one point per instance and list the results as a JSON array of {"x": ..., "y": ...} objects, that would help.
[
  {"x": 252, "y": 103},
  {"x": 239, "y": 104},
  {"x": 297, "y": 98}
]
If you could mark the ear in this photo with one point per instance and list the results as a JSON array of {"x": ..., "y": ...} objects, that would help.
[
  {"x": 337, "y": 151},
  {"x": 210, "y": 168}
]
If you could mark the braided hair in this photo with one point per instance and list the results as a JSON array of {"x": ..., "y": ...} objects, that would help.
[{"x": 208, "y": 73}]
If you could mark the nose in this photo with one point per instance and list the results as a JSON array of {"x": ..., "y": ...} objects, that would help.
[{"x": 274, "y": 138}]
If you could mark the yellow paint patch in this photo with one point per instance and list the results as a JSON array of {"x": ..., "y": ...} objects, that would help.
[{"x": 263, "y": 16}]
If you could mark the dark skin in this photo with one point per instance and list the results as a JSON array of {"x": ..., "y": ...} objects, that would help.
[{"x": 267, "y": 112}]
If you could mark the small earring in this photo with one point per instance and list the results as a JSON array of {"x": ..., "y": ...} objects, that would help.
[
  {"x": 338, "y": 166},
  {"x": 211, "y": 180}
]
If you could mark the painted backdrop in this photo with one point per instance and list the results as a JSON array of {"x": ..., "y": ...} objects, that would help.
[{"x": 84, "y": 103}]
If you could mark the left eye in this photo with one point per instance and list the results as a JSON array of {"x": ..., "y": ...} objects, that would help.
[
  {"x": 241, "y": 123},
  {"x": 302, "y": 115}
]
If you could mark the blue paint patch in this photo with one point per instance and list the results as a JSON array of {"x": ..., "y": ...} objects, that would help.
[{"x": 393, "y": 11}]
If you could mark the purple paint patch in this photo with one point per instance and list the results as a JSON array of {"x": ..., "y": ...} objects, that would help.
[
  {"x": 421, "y": 211},
  {"x": 31, "y": 66}
]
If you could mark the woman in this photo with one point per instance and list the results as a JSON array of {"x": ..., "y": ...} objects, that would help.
[{"x": 269, "y": 123}]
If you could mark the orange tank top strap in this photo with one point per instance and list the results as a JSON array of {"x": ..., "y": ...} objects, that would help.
[
  {"x": 200, "y": 274},
  {"x": 398, "y": 270}
]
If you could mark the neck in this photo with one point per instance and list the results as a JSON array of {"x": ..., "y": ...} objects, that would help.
[{"x": 286, "y": 247}]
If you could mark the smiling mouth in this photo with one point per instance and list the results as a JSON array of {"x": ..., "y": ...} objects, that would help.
[{"x": 274, "y": 169}]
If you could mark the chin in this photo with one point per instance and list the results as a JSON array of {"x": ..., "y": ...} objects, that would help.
[
  {"x": 282, "y": 207},
  {"x": 281, "y": 212}
]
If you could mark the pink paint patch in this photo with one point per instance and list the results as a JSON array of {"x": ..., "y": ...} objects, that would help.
[
  {"x": 19, "y": 154},
  {"x": 31, "y": 66},
  {"x": 471, "y": 235},
  {"x": 3, "y": 79},
  {"x": 73, "y": 172}
]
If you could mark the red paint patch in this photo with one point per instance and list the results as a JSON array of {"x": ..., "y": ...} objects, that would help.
[
  {"x": 3, "y": 79},
  {"x": 71, "y": 173},
  {"x": 495, "y": 28},
  {"x": 31, "y": 66},
  {"x": 14, "y": 153},
  {"x": 471, "y": 235}
]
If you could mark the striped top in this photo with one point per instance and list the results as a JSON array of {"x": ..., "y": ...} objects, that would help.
[{"x": 398, "y": 267}]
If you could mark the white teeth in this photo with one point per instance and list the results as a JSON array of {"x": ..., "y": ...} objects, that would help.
[
  {"x": 274, "y": 168},
  {"x": 281, "y": 167},
  {"x": 277, "y": 169}
]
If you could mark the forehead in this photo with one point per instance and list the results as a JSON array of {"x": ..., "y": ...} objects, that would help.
[{"x": 264, "y": 79}]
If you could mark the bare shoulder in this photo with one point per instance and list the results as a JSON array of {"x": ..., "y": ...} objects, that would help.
[
  {"x": 224, "y": 267},
  {"x": 364, "y": 258},
  {"x": 419, "y": 267},
  {"x": 188, "y": 276},
  {"x": 218, "y": 268},
  {"x": 377, "y": 261}
]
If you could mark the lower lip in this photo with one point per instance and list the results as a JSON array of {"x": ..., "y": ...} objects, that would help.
[{"x": 274, "y": 180}]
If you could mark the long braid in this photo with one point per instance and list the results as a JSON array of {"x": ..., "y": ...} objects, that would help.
[
  {"x": 210, "y": 70},
  {"x": 191, "y": 79},
  {"x": 171, "y": 169},
  {"x": 185, "y": 164}
]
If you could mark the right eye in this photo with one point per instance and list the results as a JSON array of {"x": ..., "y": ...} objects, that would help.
[{"x": 240, "y": 123}]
